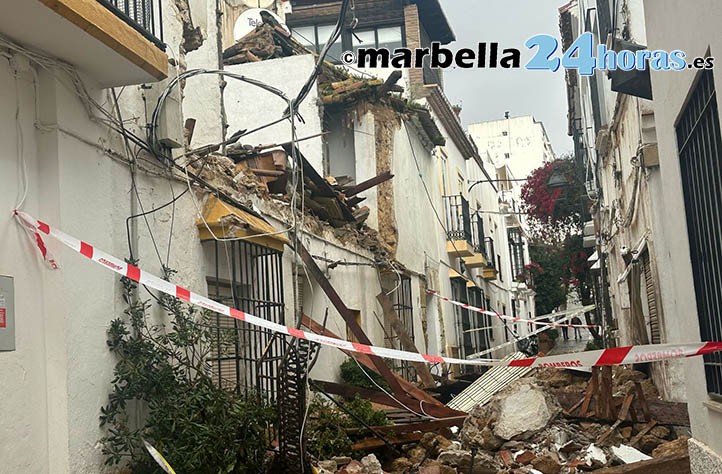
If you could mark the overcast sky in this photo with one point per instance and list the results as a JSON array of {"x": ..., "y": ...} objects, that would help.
[{"x": 486, "y": 94}]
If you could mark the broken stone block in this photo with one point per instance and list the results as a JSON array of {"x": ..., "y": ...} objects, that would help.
[
  {"x": 417, "y": 455},
  {"x": 678, "y": 447},
  {"x": 648, "y": 443},
  {"x": 435, "y": 467},
  {"x": 627, "y": 454},
  {"x": 371, "y": 465},
  {"x": 401, "y": 465},
  {"x": 434, "y": 443},
  {"x": 524, "y": 412},
  {"x": 507, "y": 459},
  {"x": 547, "y": 464},
  {"x": 354, "y": 467},
  {"x": 525, "y": 457},
  {"x": 328, "y": 466},
  {"x": 661, "y": 432},
  {"x": 461, "y": 460}
]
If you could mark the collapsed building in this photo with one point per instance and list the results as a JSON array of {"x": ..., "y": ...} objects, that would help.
[{"x": 340, "y": 222}]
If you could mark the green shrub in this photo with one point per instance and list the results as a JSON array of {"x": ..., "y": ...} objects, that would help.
[
  {"x": 326, "y": 426},
  {"x": 162, "y": 392},
  {"x": 353, "y": 375}
]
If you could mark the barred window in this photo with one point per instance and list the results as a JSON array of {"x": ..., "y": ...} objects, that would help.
[
  {"x": 700, "y": 157},
  {"x": 247, "y": 277}
]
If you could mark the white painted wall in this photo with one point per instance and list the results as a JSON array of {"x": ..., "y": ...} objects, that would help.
[
  {"x": 248, "y": 106},
  {"x": 670, "y": 26}
]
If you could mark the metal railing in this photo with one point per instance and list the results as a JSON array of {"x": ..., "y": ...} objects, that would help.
[
  {"x": 458, "y": 218},
  {"x": 145, "y": 16}
]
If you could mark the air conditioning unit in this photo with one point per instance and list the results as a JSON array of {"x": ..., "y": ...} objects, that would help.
[{"x": 634, "y": 82}]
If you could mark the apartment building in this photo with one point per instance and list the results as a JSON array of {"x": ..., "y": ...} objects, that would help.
[
  {"x": 650, "y": 145},
  {"x": 107, "y": 131}
]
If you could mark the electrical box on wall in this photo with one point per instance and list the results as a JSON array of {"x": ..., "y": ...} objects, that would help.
[{"x": 7, "y": 314}]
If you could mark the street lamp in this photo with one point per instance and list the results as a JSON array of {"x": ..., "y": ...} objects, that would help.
[{"x": 496, "y": 181}]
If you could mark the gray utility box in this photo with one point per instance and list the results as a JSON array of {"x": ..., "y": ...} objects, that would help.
[{"x": 7, "y": 314}]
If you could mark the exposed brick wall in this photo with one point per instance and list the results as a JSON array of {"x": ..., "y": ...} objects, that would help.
[{"x": 413, "y": 40}]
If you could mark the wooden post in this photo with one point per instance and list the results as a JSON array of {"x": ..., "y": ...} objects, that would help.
[{"x": 406, "y": 342}]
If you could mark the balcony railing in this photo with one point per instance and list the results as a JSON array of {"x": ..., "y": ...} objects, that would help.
[
  {"x": 458, "y": 218},
  {"x": 145, "y": 16}
]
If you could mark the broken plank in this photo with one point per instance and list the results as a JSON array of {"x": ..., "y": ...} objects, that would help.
[
  {"x": 348, "y": 316},
  {"x": 407, "y": 343},
  {"x": 368, "y": 184},
  {"x": 666, "y": 465},
  {"x": 647, "y": 428},
  {"x": 365, "y": 360},
  {"x": 666, "y": 413},
  {"x": 422, "y": 426},
  {"x": 349, "y": 392},
  {"x": 372, "y": 443},
  {"x": 390, "y": 82}
]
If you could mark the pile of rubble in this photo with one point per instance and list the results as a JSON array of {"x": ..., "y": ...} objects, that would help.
[{"x": 525, "y": 429}]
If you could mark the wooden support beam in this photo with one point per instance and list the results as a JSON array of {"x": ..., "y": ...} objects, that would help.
[
  {"x": 665, "y": 413},
  {"x": 390, "y": 82},
  {"x": 368, "y": 184},
  {"x": 372, "y": 443},
  {"x": 407, "y": 343},
  {"x": 404, "y": 402},
  {"x": 638, "y": 437},
  {"x": 347, "y": 316},
  {"x": 422, "y": 426},
  {"x": 667, "y": 465},
  {"x": 365, "y": 360}
]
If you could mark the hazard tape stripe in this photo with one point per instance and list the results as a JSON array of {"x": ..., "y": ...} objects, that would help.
[
  {"x": 626, "y": 355},
  {"x": 516, "y": 319}
]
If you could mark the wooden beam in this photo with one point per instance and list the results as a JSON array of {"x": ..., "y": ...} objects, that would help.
[
  {"x": 347, "y": 316},
  {"x": 368, "y": 184},
  {"x": 390, "y": 82},
  {"x": 365, "y": 360},
  {"x": 349, "y": 392},
  {"x": 665, "y": 413},
  {"x": 422, "y": 426},
  {"x": 666, "y": 465},
  {"x": 372, "y": 443},
  {"x": 407, "y": 343}
]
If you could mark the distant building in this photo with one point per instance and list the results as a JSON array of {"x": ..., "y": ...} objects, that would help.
[{"x": 521, "y": 143}]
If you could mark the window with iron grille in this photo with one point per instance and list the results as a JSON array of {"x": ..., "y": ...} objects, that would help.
[
  {"x": 516, "y": 252},
  {"x": 403, "y": 306},
  {"x": 467, "y": 321},
  {"x": 700, "y": 157},
  {"x": 247, "y": 277}
]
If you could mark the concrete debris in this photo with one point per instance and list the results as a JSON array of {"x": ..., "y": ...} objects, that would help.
[
  {"x": 678, "y": 447},
  {"x": 371, "y": 465},
  {"x": 628, "y": 454},
  {"x": 523, "y": 430},
  {"x": 525, "y": 411},
  {"x": 595, "y": 456},
  {"x": 483, "y": 463}
]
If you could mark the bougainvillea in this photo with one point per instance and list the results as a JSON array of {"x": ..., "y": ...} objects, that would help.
[
  {"x": 540, "y": 200},
  {"x": 556, "y": 212}
]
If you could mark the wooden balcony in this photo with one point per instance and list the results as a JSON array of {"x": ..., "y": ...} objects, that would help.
[{"x": 108, "y": 45}]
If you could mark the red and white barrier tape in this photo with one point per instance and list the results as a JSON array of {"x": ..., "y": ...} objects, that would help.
[
  {"x": 535, "y": 322},
  {"x": 616, "y": 356}
]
